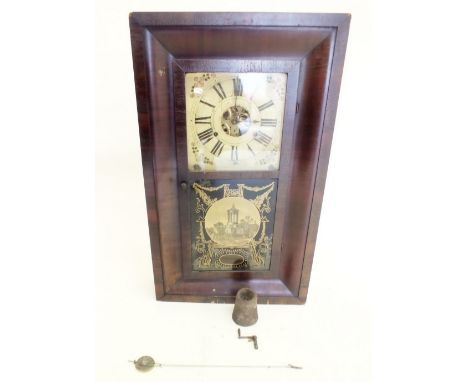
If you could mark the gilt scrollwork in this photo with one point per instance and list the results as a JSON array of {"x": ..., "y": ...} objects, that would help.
[{"x": 233, "y": 228}]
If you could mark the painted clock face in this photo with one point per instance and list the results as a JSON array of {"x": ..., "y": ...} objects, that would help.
[{"x": 234, "y": 121}]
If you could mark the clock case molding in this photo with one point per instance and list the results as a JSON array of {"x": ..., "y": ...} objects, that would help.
[{"x": 310, "y": 48}]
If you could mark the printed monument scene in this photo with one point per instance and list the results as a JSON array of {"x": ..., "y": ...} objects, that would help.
[{"x": 236, "y": 225}]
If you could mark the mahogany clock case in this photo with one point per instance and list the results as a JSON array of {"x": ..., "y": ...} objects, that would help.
[{"x": 310, "y": 48}]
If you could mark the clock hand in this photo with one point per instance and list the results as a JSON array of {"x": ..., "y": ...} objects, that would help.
[{"x": 235, "y": 99}]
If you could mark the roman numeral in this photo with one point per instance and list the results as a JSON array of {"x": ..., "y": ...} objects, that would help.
[
  {"x": 262, "y": 138},
  {"x": 206, "y": 136},
  {"x": 268, "y": 122},
  {"x": 217, "y": 148},
  {"x": 234, "y": 153},
  {"x": 207, "y": 104},
  {"x": 265, "y": 105},
  {"x": 203, "y": 120},
  {"x": 219, "y": 89},
  {"x": 237, "y": 84}
]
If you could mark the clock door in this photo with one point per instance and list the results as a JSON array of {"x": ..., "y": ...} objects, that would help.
[
  {"x": 234, "y": 123},
  {"x": 232, "y": 130}
]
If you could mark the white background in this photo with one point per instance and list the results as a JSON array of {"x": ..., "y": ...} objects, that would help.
[{"x": 387, "y": 300}]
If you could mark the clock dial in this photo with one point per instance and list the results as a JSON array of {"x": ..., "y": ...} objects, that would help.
[{"x": 234, "y": 121}]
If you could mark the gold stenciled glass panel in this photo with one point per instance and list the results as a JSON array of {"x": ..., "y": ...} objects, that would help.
[
  {"x": 234, "y": 121},
  {"x": 232, "y": 224}
]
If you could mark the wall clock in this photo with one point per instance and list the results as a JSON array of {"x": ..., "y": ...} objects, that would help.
[{"x": 236, "y": 114}]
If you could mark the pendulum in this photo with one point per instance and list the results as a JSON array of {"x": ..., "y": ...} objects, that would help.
[{"x": 146, "y": 363}]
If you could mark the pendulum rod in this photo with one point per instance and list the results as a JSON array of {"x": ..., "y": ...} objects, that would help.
[{"x": 146, "y": 363}]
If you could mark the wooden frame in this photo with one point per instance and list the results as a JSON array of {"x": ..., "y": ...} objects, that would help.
[{"x": 311, "y": 49}]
